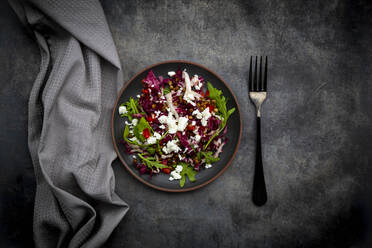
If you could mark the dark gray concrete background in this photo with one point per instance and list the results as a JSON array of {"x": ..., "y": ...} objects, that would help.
[{"x": 316, "y": 122}]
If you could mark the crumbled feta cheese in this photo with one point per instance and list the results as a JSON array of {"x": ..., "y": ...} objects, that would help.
[
  {"x": 157, "y": 135},
  {"x": 162, "y": 126},
  {"x": 180, "y": 157},
  {"x": 172, "y": 127},
  {"x": 127, "y": 123},
  {"x": 207, "y": 166},
  {"x": 151, "y": 140},
  {"x": 122, "y": 110},
  {"x": 138, "y": 96},
  {"x": 197, "y": 114},
  {"x": 163, "y": 119},
  {"x": 179, "y": 168},
  {"x": 134, "y": 139},
  {"x": 171, "y": 147},
  {"x": 182, "y": 123},
  {"x": 204, "y": 122},
  {"x": 206, "y": 115},
  {"x": 133, "y": 157},
  {"x": 134, "y": 122},
  {"x": 171, "y": 178},
  {"x": 175, "y": 175},
  {"x": 197, "y": 138},
  {"x": 171, "y": 73},
  {"x": 170, "y": 121},
  {"x": 193, "y": 123}
]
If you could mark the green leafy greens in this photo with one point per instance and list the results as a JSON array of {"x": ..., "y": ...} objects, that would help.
[
  {"x": 221, "y": 101},
  {"x": 188, "y": 171},
  {"x": 138, "y": 129},
  {"x": 166, "y": 90},
  {"x": 151, "y": 162},
  {"x": 208, "y": 157},
  {"x": 132, "y": 108}
]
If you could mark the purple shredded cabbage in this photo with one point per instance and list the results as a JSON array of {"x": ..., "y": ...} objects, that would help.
[
  {"x": 146, "y": 104},
  {"x": 213, "y": 123},
  {"x": 183, "y": 140},
  {"x": 151, "y": 81}
]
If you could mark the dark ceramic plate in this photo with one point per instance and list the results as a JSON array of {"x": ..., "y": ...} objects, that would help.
[{"x": 133, "y": 87}]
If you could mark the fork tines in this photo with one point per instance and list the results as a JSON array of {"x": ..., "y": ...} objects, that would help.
[{"x": 259, "y": 85}]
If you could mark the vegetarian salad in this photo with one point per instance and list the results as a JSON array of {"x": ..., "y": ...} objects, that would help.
[{"x": 176, "y": 126}]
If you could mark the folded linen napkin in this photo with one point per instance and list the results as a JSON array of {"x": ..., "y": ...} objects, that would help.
[{"x": 69, "y": 123}]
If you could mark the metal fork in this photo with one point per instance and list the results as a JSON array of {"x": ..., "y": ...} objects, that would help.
[{"x": 257, "y": 93}]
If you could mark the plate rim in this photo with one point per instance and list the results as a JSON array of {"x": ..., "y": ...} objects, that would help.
[{"x": 227, "y": 165}]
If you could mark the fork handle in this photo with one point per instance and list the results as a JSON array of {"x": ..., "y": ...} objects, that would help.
[{"x": 259, "y": 195}]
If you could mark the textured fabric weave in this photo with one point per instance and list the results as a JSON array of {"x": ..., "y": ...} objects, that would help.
[{"x": 69, "y": 123}]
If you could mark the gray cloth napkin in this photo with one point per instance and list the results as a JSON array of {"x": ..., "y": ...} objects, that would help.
[{"x": 69, "y": 123}]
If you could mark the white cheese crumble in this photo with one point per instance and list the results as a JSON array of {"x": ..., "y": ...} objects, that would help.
[
  {"x": 179, "y": 168},
  {"x": 122, "y": 110},
  {"x": 206, "y": 115},
  {"x": 157, "y": 135},
  {"x": 197, "y": 138},
  {"x": 162, "y": 126},
  {"x": 207, "y": 166},
  {"x": 171, "y": 147},
  {"x": 171, "y": 73},
  {"x": 170, "y": 121},
  {"x": 197, "y": 114},
  {"x": 151, "y": 140},
  {"x": 134, "y": 122},
  {"x": 138, "y": 96},
  {"x": 182, "y": 123},
  {"x": 175, "y": 175}
]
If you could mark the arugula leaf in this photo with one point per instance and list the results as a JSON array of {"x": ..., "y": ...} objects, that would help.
[
  {"x": 187, "y": 171},
  {"x": 221, "y": 101},
  {"x": 159, "y": 148},
  {"x": 151, "y": 162},
  {"x": 125, "y": 136},
  {"x": 150, "y": 150},
  {"x": 138, "y": 129},
  {"x": 208, "y": 156},
  {"x": 166, "y": 90},
  {"x": 132, "y": 108}
]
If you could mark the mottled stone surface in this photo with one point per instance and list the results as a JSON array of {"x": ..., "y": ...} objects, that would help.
[{"x": 316, "y": 122}]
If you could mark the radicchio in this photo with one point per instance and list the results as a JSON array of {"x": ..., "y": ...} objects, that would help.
[
  {"x": 151, "y": 81},
  {"x": 213, "y": 123}
]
